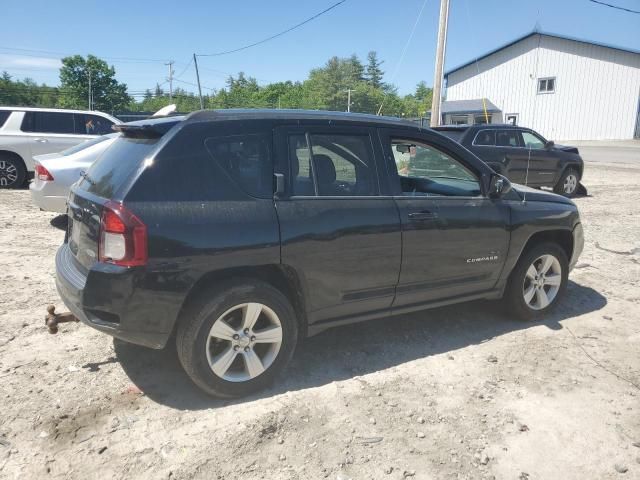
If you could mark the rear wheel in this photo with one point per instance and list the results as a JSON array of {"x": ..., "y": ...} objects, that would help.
[
  {"x": 568, "y": 183},
  {"x": 235, "y": 340},
  {"x": 12, "y": 171},
  {"x": 537, "y": 282}
]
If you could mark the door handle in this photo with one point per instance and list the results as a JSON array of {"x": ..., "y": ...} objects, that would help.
[
  {"x": 422, "y": 216},
  {"x": 41, "y": 140}
]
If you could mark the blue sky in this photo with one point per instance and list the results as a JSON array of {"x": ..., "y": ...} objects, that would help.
[{"x": 162, "y": 30}]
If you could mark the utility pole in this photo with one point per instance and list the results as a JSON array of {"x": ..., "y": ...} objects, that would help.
[
  {"x": 171, "y": 62},
  {"x": 349, "y": 100},
  {"x": 195, "y": 62},
  {"x": 90, "y": 99},
  {"x": 440, "y": 52}
]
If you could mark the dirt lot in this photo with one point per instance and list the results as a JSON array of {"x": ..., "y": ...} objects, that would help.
[{"x": 459, "y": 392}]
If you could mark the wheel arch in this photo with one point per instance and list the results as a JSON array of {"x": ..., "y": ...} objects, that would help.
[
  {"x": 280, "y": 277},
  {"x": 561, "y": 237},
  {"x": 11, "y": 153}
]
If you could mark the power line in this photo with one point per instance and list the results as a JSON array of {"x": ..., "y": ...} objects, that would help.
[
  {"x": 615, "y": 6},
  {"x": 404, "y": 50},
  {"x": 67, "y": 54},
  {"x": 264, "y": 40}
]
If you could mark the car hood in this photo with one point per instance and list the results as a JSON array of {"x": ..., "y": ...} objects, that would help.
[
  {"x": 566, "y": 148},
  {"x": 535, "y": 195}
]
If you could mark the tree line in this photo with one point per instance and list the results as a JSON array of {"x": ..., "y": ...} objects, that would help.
[{"x": 325, "y": 88}]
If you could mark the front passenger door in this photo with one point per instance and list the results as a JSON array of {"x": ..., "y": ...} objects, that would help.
[{"x": 454, "y": 238}]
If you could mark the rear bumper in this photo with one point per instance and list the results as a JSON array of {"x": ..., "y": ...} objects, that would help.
[
  {"x": 48, "y": 200},
  {"x": 578, "y": 245},
  {"x": 97, "y": 300}
]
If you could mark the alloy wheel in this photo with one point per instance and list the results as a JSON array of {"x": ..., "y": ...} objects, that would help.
[
  {"x": 570, "y": 184},
  {"x": 243, "y": 342},
  {"x": 542, "y": 282}
]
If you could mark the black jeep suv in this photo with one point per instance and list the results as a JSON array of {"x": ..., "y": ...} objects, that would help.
[
  {"x": 522, "y": 155},
  {"x": 242, "y": 231}
]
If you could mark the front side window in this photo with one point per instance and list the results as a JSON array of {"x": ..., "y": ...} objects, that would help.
[
  {"x": 48, "y": 122},
  {"x": 87, "y": 124},
  {"x": 529, "y": 140},
  {"x": 507, "y": 138},
  {"x": 247, "y": 160},
  {"x": 332, "y": 165},
  {"x": 547, "y": 85},
  {"x": 485, "y": 138},
  {"x": 426, "y": 170}
]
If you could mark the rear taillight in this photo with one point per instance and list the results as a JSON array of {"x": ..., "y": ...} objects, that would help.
[
  {"x": 43, "y": 174},
  {"x": 123, "y": 237}
]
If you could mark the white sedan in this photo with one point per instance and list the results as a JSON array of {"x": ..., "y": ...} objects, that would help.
[{"x": 56, "y": 172}]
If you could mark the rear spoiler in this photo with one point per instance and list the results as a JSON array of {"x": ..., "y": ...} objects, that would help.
[
  {"x": 140, "y": 131},
  {"x": 150, "y": 128}
]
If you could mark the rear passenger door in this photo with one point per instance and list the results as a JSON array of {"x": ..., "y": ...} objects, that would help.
[{"x": 338, "y": 233}]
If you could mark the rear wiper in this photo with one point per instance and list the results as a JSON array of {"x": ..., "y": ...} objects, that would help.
[{"x": 86, "y": 177}]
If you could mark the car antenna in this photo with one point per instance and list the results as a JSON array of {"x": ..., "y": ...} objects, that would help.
[{"x": 533, "y": 116}]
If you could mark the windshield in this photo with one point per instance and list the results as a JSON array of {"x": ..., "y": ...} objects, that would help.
[
  {"x": 89, "y": 143},
  {"x": 455, "y": 135}
]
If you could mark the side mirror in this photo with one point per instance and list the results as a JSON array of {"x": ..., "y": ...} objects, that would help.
[
  {"x": 549, "y": 144},
  {"x": 498, "y": 186}
]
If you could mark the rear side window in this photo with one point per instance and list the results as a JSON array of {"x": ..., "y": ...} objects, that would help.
[
  {"x": 507, "y": 138},
  {"x": 116, "y": 165},
  {"x": 485, "y": 138},
  {"x": 332, "y": 165},
  {"x": 48, "y": 122},
  {"x": 4, "y": 114},
  {"x": 247, "y": 161}
]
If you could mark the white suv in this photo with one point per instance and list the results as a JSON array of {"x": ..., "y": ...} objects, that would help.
[{"x": 27, "y": 132}]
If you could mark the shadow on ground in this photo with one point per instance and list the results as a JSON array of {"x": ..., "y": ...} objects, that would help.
[
  {"x": 358, "y": 349},
  {"x": 59, "y": 222}
]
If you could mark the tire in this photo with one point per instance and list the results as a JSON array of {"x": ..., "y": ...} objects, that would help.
[
  {"x": 526, "y": 304},
  {"x": 568, "y": 183},
  {"x": 13, "y": 173},
  {"x": 231, "y": 308}
]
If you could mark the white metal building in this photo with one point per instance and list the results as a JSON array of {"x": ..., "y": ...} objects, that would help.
[{"x": 565, "y": 88}]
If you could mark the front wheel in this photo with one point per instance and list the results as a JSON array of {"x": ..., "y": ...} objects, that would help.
[
  {"x": 537, "y": 282},
  {"x": 568, "y": 183},
  {"x": 235, "y": 340}
]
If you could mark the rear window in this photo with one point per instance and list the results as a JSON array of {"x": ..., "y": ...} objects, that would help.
[
  {"x": 84, "y": 145},
  {"x": 116, "y": 165},
  {"x": 247, "y": 160},
  {"x": 4, "y": 114},
  {"x": 455, "y": 135}
]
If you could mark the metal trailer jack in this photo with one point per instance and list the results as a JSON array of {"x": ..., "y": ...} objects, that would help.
[{"x": 53, "y": 319}]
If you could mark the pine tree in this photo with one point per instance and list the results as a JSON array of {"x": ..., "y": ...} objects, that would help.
[{"x": 374, "y": 73}]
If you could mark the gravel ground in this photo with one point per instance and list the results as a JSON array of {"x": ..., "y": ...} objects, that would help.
[{"x": 457, "y": 392}]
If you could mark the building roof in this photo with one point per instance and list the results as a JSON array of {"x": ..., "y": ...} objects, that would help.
[
  {"x": 545, "y": 34},
  {"x": 475, "y": 105}
]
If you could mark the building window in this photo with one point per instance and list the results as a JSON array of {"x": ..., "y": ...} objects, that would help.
[
  {"x": 547, "y": 85},
  {"x": 481, "y": 119},
  {"x": 459, "y": 120}
]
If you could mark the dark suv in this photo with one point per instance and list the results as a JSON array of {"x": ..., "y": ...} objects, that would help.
[
  {"x": 243, "y": 231},
  {"x": 522, "y": 155}
]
